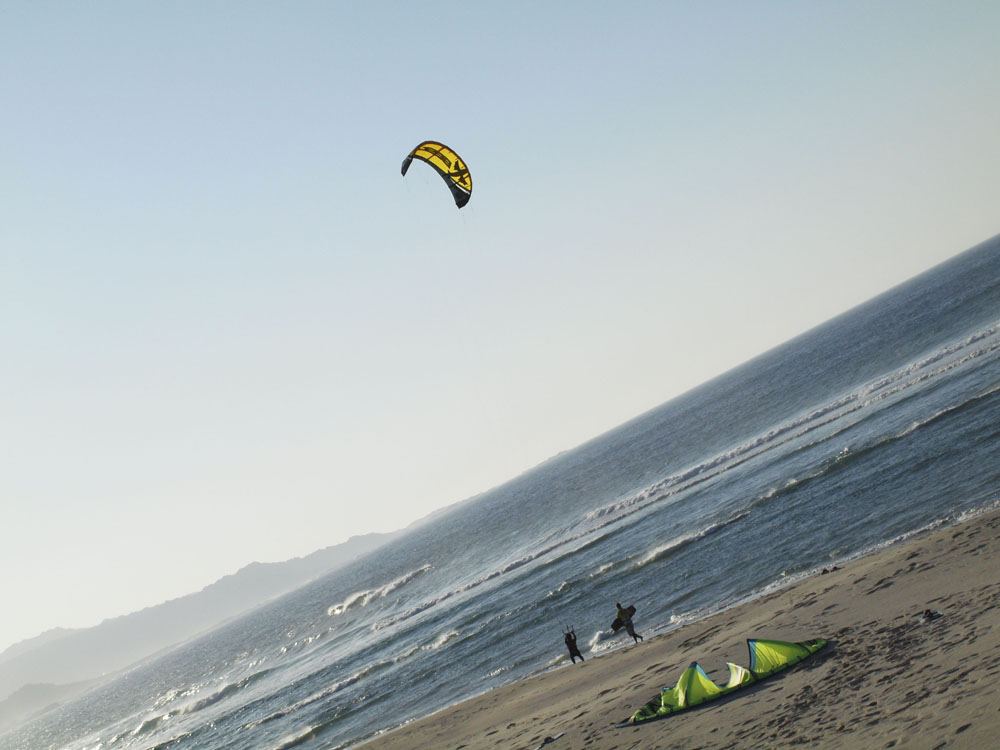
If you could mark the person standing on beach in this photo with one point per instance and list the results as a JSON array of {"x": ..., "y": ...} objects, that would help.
[
  {"x": 574, "y": 651},
  {"x": 625, "y": 615},
  {"x": 630, "y": 629}
]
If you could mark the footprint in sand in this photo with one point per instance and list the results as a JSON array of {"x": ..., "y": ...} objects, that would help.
[{"x": 883, "y": 584}]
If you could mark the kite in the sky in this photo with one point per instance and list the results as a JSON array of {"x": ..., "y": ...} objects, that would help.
[{"x": 446, "y": 163}]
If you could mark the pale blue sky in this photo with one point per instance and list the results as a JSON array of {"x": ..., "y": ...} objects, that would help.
[{"x": 231, "y": 331}]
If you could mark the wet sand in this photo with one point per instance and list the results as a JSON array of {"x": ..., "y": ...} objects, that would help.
[{"x": 890, "y": 677}]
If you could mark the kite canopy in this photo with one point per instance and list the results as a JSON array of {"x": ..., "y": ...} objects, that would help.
[
  {"x": 446, "y": 163},
  {"x": 695, "y": 687}
]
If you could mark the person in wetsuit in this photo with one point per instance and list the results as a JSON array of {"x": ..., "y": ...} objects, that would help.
[
  {"x": 570, "y": 639},
  {"x": 626, "y": 617}
]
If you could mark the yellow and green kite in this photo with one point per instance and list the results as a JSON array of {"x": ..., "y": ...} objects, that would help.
[{"x": 695, "y": 687}]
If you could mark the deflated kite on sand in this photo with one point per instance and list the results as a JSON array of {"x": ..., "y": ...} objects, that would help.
[{"x": 695, "y": 687}]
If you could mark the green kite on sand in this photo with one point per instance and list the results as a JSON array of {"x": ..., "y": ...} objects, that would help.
[{"x": 695, "y": 687}]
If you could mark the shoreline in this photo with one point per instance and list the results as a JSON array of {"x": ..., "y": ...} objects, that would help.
[{"x": 888, "y": 679}]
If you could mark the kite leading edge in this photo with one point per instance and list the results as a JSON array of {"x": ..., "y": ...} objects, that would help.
[{"x": 446, "y": 163}]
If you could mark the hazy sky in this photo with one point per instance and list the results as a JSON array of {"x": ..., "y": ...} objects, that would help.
[{"x": 231, "y": 331}]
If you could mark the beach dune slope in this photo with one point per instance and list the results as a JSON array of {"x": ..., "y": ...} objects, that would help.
[{"x": 892, "y": 676}]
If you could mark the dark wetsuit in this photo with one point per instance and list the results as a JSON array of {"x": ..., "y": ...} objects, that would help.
[
  {"x": 630, "y": 629},
  {"x": 574, "y": 651},
  {"x": 626, "y": 618}
]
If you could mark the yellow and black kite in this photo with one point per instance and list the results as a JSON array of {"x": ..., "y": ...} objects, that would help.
[{"x": 448, "y": 164}]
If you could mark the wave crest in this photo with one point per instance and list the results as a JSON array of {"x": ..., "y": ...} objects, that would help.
[{"x": 366, "y": 597}]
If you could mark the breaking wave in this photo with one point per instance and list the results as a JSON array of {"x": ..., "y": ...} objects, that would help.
[
  {"x": 441, "y": 641},
  {"x": 298, "y": 739},
  {"x": 226, "y": 691},
  {"x": 604, "y": 640},
  {"x": 154, "y": 723},
  {"x": 602, "y": 570},
  {"x": 366, "y": 597},
  {"x": 664, "y": 551}
]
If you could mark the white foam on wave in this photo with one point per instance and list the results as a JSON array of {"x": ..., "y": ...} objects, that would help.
[
  {"x": 301, "y": 643},
  {"x": 602, "y": 570},
  {"x": 968, "y": 515},
  {"x": 227, "y": 690},
  {"x": 505, "y": 569},
  {"x": 631, "y": 501},
  {"x": 154, "y": 722},
  {"x": 294, "y": 740},
  {"x": 604, "y": 640},
  {"x": 441, "y": 640},
  {"x": 665, "y": 550},
  {"x": 367, "y": 596},
  {"x": 557, "y": 590},
  {"x": 554, "y": 662}
]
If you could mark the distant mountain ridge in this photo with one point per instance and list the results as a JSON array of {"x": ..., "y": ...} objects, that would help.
[
  {"x": 31, "y": 644},
  {"x": 60, "y": 656},
  {"x": 32, "y": 700}
]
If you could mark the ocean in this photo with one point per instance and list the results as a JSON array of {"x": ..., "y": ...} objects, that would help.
[{"x": 879, "y": 425}]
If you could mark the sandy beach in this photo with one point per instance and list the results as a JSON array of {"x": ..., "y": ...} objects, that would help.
[{"x": 890, "y": 677}]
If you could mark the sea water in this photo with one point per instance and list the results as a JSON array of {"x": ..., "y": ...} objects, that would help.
[{"x": 878, "y": 425}]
